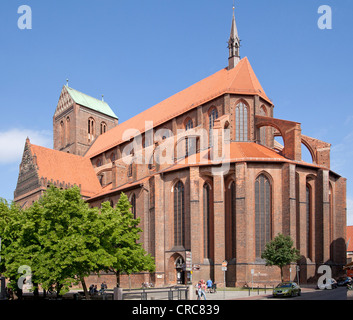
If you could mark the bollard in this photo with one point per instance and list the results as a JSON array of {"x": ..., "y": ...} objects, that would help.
[
  {"x": 143, "y": 295},
  {"x": 170, "y": 294}
]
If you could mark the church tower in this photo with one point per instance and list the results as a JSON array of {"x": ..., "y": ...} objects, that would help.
[
  {"x": 233, "y": 45},
  {"x": 79, "y": 119}
]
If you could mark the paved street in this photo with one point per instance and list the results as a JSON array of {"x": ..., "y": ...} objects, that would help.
[
  {"x": 312, "y": 294},
  {"x": 335, "y": 294},
  {"x": 307, "y": 294}
]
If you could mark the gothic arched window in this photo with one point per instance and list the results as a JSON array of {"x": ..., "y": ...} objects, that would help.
[
  {"x": 179, "y": 215},
  {"x": 207, "y": 223},
  {"x": 263, "y": 130},
  {"x": 190, "y": 146},
  {"x": 308, "y": 220},
  {"x": 129, "y": 170},
  {"x": 232, "y": 199},
  {"x": 263, "y": 208},
  {"x": 91, "y": 129},
  {"x": 103, "y": 127},
  {"x": 189, "y": 125},
  {"x": 62, "y": 134},
  {"x": 211, "y": 119},
  {"x": 241, "y": 122},
  {"x": 133, "y": 205},
  {"x": 67, "y": 130}
]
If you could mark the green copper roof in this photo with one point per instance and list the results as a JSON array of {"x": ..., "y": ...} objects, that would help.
[{"x": 90, "y": 102}]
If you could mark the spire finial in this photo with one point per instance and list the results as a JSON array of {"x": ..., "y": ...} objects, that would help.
[
  {"x": 67, "y": 82},
  {"x": 233, "y": 44}
]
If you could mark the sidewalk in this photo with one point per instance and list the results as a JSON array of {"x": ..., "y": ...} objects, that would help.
[{"x": 238, "y": 295}]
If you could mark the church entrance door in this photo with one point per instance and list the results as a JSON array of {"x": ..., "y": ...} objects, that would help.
[{"x": 180, "y": 270}]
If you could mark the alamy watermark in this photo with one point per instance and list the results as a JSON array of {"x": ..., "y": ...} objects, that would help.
[
  {"x": 25, "y": 20},
  {"x": 325, "y": 20}
]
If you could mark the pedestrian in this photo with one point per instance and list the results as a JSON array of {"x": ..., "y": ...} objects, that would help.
[
  {"x": 103, "y": 287},
  {"x": 214, "y": 287},
  {"x": 203, "y": 289},
  {"x": 91, "y": 289},
  {"x": 209, "y": 285},
  {"x": 198, "y": 290}
]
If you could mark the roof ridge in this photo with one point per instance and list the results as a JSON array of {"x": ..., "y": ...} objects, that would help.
[
  {"x": 234, "y": 81},
  {"x": 90, "y": 102},
  {"x": 67, "y": 154},
  {"x": 236, "y": 71},
  {"x": 85, "y": 94}
]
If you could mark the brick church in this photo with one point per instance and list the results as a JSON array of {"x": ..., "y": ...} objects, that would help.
[{"x": 205, "y": 174}]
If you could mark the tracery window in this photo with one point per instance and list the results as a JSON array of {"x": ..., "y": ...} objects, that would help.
[
  {"x": 212, "y": 117},
  {"x": 207, "y": 220},
  {"x": 308, "y": 220},
  {"x": 179, "y": 215},
  {"x": 233, "y": 219},
  {"x": 263, "y": 200},
  {"x": 190, "y": 146},
  {"x": 241, "y": 123}
]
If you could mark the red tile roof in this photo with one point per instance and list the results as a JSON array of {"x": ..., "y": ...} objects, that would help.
[
  {"x": 239, "y": 80},
  {"x": 66, "y": 168}
]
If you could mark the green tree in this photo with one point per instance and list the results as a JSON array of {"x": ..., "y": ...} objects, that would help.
[
  {"x": 20, "y": 246},
  {"x": 121, "y": 239},
  {"x": 57, "y": 237},
  {"x": 63, "y": 240},
  {"x": 280, "y": 252},
  {"x": 69, "y": 235}
]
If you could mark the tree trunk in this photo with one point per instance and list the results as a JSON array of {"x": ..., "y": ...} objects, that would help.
[
  {"x": 117, "y": 273},
  {"x": 58, "y": 289},
  {"x": 83, "y": 282},
  {"x": 281, "y": 273},
  {"x": 36, "y": 291}
]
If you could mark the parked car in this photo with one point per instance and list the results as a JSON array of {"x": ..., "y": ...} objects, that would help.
[
  {"x": 287, "y": 289},
  {"x": 330, "y": 284},
  {"x": 343, "y": 281}
]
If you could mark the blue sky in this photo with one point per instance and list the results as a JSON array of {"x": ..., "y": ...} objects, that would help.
[{"x": 138, "y": 53}]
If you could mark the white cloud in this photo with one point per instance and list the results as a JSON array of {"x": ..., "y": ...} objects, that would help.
[{"x": 12, "y": 143}]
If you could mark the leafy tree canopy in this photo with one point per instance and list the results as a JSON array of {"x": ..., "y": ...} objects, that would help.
[
  {"x": 63, "y": 240},
  {"x": 280, "y": 252}
]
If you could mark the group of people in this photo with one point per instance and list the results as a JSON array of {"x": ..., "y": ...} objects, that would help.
[
  {"x": 93, "y": 289},
  {"x": 202, "y": 287}
]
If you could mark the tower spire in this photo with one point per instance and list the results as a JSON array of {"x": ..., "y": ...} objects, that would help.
[{"x": 233, "y": 45}]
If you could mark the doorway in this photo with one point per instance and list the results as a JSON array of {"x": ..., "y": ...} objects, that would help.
[{"x": 180, "y": 270}]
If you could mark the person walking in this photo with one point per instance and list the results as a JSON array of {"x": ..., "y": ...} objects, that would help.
[
  {"x": 198, "y": 290},
  {"x": 203, "y": 289},
  {"x": 209, "y": 285}
]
